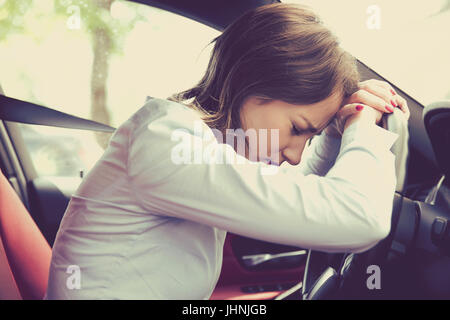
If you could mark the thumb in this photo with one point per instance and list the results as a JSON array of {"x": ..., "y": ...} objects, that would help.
[
  {"x": 349, "y": 110},
  {"x": 336, "y": 128}
]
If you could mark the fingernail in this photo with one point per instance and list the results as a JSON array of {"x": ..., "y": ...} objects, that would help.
[
  {"x": 359, "y": 107},
  {"x": 394, "y": 104},
  {"x": 393, "y": 92},
  {"x": 389, "y": 109}
]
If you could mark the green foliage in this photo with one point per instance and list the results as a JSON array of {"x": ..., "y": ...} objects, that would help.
[
  {"x": 96, "y": 15},
  {"x": 445, "y": 7},
  {"x": 11, "y": 13}
]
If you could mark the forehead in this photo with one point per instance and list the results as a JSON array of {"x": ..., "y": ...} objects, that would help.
[{"x": 319, "y": 113}]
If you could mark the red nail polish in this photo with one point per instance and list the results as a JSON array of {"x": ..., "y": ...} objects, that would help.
[
  {"x": 393, "y": 92},
  {"x": 394, "y": 104},
  {"x": 359, "y": 107},
  {"x": 389, "y": 109}
]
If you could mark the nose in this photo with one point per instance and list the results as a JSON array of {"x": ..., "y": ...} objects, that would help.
[{"x": 293, "y": 152}]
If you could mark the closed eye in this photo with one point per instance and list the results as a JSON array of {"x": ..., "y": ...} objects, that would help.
[
  {"x": 297, "y": 132},
  {"x": 319, "y": 132}
]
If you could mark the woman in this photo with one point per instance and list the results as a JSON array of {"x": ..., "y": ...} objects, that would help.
[{"x": 150, "y": 219}]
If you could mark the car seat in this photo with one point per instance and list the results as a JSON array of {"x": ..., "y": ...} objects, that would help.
[{"x": 28, "y": 253}]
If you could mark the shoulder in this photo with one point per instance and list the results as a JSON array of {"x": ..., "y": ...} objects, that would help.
[
  {"x": 156, "y": 108},
  {"x": 159, "y": 112},
  {"x": 164, "y": 118},
  {"x": 159, "y": 131}
]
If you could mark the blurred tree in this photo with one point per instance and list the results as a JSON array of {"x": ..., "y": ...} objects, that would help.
[
  {"x": 107, "y": 34},
  {"x": 11, "y": 14},
  {"x": 11, "y": 21},
  {"x": 445, "y": 7}
]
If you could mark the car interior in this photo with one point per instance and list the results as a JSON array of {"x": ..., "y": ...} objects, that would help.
[{"x": 414, "y": 258}]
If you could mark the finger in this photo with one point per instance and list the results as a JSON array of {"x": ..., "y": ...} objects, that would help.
[
  {"x": 381, "y": 92},
  {"x": 382, "y": 84},
  {"x": 386, "y": 86},
  {"x": 365, "y": 97},
  {"x": 402, "y": 105},
  {"x": 345, "y": 112},
  {"x": 397, "y": 99},
  {"x": 350, "y": 109}
]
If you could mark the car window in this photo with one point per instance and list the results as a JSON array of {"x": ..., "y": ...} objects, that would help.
[
  {"x": 94, "y": 59},
  {"x": 406, "y": 42}
]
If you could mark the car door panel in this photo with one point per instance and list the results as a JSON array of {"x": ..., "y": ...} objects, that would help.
[
  {"x": 238, "y": 281},
  {"x": 48, "y": 199}
]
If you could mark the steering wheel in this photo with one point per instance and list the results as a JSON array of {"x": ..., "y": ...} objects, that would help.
[{"x": 344, "y": 275}]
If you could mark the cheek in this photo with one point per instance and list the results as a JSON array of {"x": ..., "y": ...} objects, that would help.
[
  {"x": 271, "y": 129},
  {"x": 278, "y": 139}
]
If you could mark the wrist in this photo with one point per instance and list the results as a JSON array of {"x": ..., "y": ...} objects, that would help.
[{"x": 360, "y": 117}]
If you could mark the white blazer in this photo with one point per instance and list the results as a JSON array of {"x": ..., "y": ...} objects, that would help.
[{"x": 143, "y": 224}]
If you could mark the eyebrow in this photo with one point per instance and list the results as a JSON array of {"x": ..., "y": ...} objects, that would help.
[{"x": 314, "y": 129}]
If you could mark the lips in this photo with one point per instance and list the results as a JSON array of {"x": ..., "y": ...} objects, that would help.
[{"x": 270, "y": 162}]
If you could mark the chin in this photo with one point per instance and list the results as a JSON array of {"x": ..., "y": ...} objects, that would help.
[{"x": 270, "y": 162}]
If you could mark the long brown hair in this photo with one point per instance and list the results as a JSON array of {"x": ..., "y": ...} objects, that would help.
[{"x": 277, "y": 51}]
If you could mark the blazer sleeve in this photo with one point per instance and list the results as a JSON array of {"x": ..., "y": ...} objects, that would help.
[
  {"x": 321, "y": 154},
  {"x": 176, "y": 171}
]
